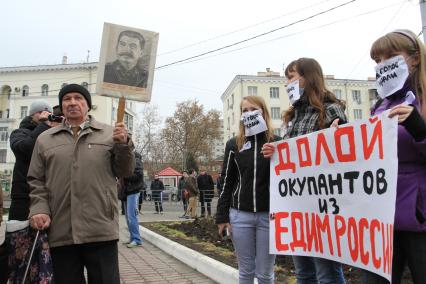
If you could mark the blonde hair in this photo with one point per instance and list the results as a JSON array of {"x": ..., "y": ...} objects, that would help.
[
  {"x": 405, "y": 41},
  {"x": 259, "y": 102}
]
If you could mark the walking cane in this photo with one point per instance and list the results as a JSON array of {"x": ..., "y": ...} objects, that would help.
[{"x": 31, "y": 256}]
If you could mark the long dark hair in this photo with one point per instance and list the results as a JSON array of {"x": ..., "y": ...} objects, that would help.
[{"x": 315, "y": 89}]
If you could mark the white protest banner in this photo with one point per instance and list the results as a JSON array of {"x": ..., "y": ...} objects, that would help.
[
  {"x": 332, "y": 194},
  {"x": 126, "y": 63}
]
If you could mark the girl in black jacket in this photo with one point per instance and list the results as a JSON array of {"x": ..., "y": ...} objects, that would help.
[{"x": 243, "y": 205}]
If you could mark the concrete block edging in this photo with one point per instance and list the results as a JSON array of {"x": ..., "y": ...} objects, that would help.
[{"x": 211, "y": 268}]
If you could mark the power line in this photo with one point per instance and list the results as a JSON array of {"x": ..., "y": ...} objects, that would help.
[
  {"x": 385, "y": 28},
  {"x": 256, "y": 36},
  {"x": 297, "y": 33},
  {"x": 242, "y": 29}
]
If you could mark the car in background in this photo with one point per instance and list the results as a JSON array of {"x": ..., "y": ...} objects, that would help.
[{"x": 169, "y": 193}]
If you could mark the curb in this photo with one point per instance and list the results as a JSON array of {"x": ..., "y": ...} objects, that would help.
[{"x": 211, "y": 268}]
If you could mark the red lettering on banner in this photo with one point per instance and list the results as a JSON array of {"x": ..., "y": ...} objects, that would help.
[
  {"x": 297, "y": 242},
  {"x": 287, "y": 165},
  {"x": 280, "y": 230},
  {"x": 349, "y": 132},
  {"x": 322, "y": 144},
  {"x": 387, "y": 260},
  {"x": 376, "y": 138},
  {"x": 363, "y": 224},
  {"x": 324, "y": 226},
  {"x": 375, "y": 225},
  {"x": 387, "y": 247},
  {"x": 353, "y": 232},
  {"x": 308, "y": 230},
  {"x": 340, "y": 231},
  {"x": 304, "y": 141},
  {"x": 311, "y": 232}
]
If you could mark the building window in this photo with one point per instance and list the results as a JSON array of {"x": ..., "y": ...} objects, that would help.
[
  {"x": 7, "y": 113},
  {"x": 3, "y": 134},
  {"x": 277, "y": 132},
  {"x": 3, "y": 155},
  {"x": 113, "y": 113},
  {"x": 229, "y": 123},
  {"x": 128, "y": 120},
  {"x": 227, "y": 102},
  {"x": 275, "y": 113},
  {"x": 356, "y": 96},
  {"x": 232, "y": 100},
  {"x": 338, "y": 93},
  {"x": 252, "y": 90},
  {"x": 233, "y": 119},
  {"x": 85, "y": 85},
  {"x": 24, "y": 111},
  {"x": 45, "y": 90},
  {"x": 25, "y": 91},
  {"x": 63, "y": 85},
  {"x": 1, "y": 114},
  {"x": 358, "y": 113},
  {"x": 274, "y": 92}
]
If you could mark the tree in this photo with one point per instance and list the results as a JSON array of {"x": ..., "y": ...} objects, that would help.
[
  {"x": 191, "y": 131},
  {"x": 147, "y": 132},
  {"x": 191, "y": 163}
]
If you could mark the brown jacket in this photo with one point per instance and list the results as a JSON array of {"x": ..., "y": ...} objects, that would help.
[
  {"x": 191, "y": 185},
  {"x": 75, "y": 182}
]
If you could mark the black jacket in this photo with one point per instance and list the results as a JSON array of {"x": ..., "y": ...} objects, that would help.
[
  {"x": 157, "y": 187},
  {"x": 134, "y": 183},
  {"x": 22, "y": 141},
  {"x": 246, "y": 178},
  {"x": 205, "y": 182}
]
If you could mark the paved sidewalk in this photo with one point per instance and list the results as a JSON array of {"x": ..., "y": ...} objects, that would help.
[{"x": 148, "y": 264}]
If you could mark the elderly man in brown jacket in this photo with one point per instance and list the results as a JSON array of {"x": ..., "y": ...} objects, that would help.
[{"x": 72, "y": 180}]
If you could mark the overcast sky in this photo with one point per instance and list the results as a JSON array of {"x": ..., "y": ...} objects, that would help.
[{"x": 41, "y": 32}]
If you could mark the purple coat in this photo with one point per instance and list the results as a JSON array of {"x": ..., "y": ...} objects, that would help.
[{"x": 410, "y": 211}]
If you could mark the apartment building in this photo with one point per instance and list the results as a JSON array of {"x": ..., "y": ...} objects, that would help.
[{"x": 359, "y": 96}]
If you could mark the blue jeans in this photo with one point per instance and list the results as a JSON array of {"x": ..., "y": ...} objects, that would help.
[
  {"x": 313, "y": 270},
  {"x": 409, "y": 248},
  {"x": 132, "y": 217},
  {"x": 250, "y": 236}
]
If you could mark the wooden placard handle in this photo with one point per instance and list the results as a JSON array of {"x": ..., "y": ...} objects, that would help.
[{"x": 120, "y": 110}]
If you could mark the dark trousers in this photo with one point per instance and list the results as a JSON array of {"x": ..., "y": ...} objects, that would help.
[
  {"x": 205, "y": 198},
  {"x": 100, "y": 260},
  {"x": 185, "y": 204},
  {"x": 123, "y": 207},
  {"x": 409, "y": 248},
  {"x": 4, "y": 274},
  {"x": 158, "y": 204},
  {"x": 141, "y": 197}
]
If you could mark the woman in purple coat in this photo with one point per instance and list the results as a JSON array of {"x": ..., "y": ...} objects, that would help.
[{"x": 401, "y": 84}]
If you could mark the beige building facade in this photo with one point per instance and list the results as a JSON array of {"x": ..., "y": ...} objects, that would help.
[
  {"x": 359, "y": 96},
  {"x": 20, "y": 86}
]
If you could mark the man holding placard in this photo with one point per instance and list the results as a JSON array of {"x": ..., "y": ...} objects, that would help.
[{"x": 72, "y": 180}]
